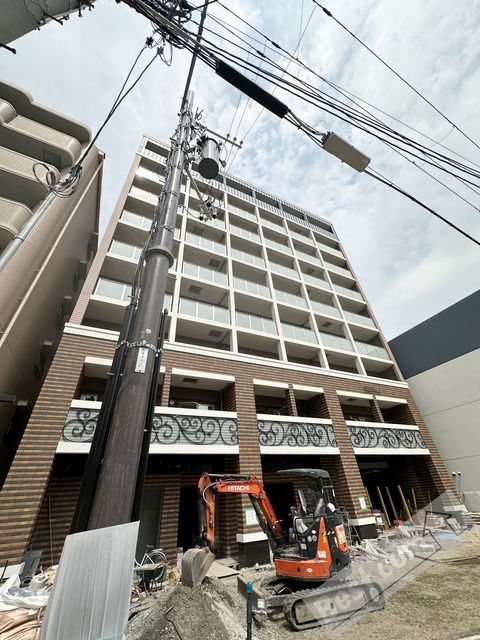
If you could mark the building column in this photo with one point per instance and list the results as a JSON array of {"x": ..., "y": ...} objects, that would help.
[
  {"x": 291, "y": 402},
  {"x": 170, "y": 510},
  {"x": 252, "y": 543},
  {"x": 345, "y": 474}
]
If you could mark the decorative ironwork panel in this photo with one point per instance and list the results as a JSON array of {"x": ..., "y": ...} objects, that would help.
[
  {"x": 371, "y": 437},
  {"x": 201, "y": 430},
  {"x": 166, "y": 429},
  {"x": 80, "y": 425},
  {"x": 274, "y": 433}
]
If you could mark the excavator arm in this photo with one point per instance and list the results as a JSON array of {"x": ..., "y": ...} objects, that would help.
[{"x": 210, "y": 485}]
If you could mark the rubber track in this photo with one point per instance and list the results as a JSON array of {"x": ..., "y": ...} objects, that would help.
[{"x": 314, "y": 597}]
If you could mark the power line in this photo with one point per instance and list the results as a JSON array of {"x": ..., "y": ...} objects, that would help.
[{"x": 330, "y": 15}]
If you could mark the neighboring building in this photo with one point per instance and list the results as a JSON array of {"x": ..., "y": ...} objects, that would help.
[
  {"x": 19, "y": 18},
  {"x": 272, "y": 360},
  {"x": 440, "y": 358},
  {"x": 46, "y": 247}
]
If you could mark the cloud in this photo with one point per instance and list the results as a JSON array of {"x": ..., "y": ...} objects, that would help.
[{"x": 410, "y": 264}]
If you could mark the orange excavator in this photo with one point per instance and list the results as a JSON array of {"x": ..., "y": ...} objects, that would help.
[{"x": 311, "y": 561}]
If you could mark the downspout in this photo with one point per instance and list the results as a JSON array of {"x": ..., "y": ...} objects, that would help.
[{"x": 16, "y": 243}]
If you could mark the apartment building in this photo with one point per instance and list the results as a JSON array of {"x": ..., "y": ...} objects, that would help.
[
  {"x": 46, "y": 247},
  {"x": 272, "y": 360}
]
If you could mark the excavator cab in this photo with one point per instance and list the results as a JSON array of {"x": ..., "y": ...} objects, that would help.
[{"x": 317, "y": 549}]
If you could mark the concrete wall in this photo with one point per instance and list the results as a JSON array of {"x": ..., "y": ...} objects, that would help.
[{"x": 448, "y": 397}]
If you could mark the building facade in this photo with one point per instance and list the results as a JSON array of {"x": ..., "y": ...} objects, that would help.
[
  {"x": 440, "y": 358},
  {"x": 272, "y": 360},
  {"x": 47, "y": 245}
]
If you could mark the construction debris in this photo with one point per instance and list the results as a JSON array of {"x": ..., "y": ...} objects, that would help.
[{"x": 441, "y": 602}]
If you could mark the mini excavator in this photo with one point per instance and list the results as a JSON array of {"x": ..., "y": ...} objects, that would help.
[{"x": 311, "y": 562}]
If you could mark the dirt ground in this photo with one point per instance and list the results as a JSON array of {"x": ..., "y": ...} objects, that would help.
[{"x": 433, "y": 596}]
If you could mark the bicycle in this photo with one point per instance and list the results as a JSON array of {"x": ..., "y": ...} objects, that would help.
[{"x": 152, "y": 568}]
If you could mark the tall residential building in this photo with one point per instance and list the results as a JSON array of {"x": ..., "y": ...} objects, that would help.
[
  {"x": 440, "y": 358},
  {"x": 46, "y": 247},
  {"x": 272, "y": 360}
]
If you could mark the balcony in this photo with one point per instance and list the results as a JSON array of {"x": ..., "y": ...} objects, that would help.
[
  {"x": 324, "y": 309},
  {"x": 284, "y": 270},
  {"x": 243, "y": 232},
  {"x": 294, "y": 332},
  {"x": 365, "y": 321},
  {"x": 289, "y": 435},
  {"x": 371, "y": 350},
  {"x": 204, "y": 311},
  {"x": 350, "y": 293},
  {"x": 290, "y": 299},
  {"x": 255, "y": 288},
  {"x": 174, "y": 430},
  {"x": 247, "y": 258},
  {"x": 278, "y": 246},
  {"x": 206, "y": 243},
  {"x": 335, "y": 342},
  {"x": 204, "y": 273},
  {"x": 380, "y": 439},
  {"x": 256, "y": 323}
]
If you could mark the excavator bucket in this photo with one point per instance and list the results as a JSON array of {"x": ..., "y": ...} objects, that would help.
[{"x": 195, "y": 566}]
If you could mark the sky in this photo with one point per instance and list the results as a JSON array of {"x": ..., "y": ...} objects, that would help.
[{"x": 410, "y": 264}]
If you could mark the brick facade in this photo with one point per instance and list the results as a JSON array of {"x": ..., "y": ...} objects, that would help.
[{"x": 32, "y": 504}]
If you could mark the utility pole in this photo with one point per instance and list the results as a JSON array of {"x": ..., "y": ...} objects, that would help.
[{"x": 115, "y": 490}]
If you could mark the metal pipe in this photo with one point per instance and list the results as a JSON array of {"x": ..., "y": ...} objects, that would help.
[
  {"x": 17, "y": 242},
  {"x": 249, "y": 610},
  {"x": 175, "y": 626}
]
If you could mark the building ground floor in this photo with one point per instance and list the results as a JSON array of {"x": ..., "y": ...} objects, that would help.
[
  {"x": 170, "y": 517},
  {"x": 222, "y": 414}
]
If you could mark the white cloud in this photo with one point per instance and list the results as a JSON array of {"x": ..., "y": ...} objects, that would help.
[{"x": 410, "y": 264}]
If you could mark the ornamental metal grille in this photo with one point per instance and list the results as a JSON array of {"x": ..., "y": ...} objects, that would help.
[
  {"x": 201, "y": 430},
  {"x": 371, "y": 437},
  {"x": 166, "y": 429},
  {"x": 274, "y": 433}
]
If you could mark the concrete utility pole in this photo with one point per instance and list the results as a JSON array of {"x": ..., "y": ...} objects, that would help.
[{"x": 115, "y": 491}]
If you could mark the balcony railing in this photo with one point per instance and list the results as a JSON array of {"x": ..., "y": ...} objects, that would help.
[
  {"x": 351, "y": 293},
  {"x": 398, "y": 438},
  {"x": 359, "y": 319},
  {"x": 295, "y": 332},
  {"x": 204, "y": 311},
  {"x": 251, "y": 287},
  {"x": 256, "y": 323},
  {"x": 372, "y": 350},
  {"x": 204, "y": 273},
  {"x": 184, "y": 428},
  {"x": 295, "y": 432}
]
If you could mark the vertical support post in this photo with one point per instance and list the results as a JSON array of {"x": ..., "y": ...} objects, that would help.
[
  {"x": 249, "y": 610},
  {"x": 116, "y": 486}
]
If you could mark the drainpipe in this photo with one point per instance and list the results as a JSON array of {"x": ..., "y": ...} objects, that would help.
[{"x": 17, "y": 242}]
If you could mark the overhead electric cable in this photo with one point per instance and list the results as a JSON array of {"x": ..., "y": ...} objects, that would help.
[
  {"x": 235, "y": 78},
  {"x": 333, "y": 85},
  {"x": 330, "y": 15}
]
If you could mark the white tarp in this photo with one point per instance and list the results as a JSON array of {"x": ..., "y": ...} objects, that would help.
[{"x": 91, "y": 594}]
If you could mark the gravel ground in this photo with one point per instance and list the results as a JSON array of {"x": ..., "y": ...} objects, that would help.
[{"x": 433, "y": 596}]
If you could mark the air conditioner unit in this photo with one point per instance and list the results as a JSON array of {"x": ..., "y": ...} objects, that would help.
[{"x": 89, "y": 397}]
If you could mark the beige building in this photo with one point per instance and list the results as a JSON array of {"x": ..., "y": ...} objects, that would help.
[
  {"x": 272, "y": 360},
  {"x": 19, "y": 18},
  {"x": 47, "y": 243}
]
